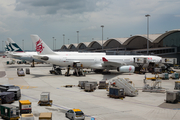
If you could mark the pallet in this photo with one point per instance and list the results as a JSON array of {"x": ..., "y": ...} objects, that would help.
[
  {"x": 88, "y": 90},
  {"x": 117, "y": 97},
  {"x": 49, "y": 103}
]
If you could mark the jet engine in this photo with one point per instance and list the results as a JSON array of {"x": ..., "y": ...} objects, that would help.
[{"x": 126, "y": 69}]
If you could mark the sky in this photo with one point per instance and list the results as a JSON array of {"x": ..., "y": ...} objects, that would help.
[{"x": 53, "y": 18}]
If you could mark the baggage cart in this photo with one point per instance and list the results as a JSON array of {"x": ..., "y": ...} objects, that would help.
[
  {"x": 116, "y": 92},
  {"x": 45, "y": 99},
  {"x": 177, "y": 85},
  {"x": 82, "y": 84},
  {"x": 9, "y": 112},
  {"x": 27, "y": 71},
  {"x": 102, "y": 85},
  {"x": 89, "y": 87},
  {"x": 171, "y": 97}
]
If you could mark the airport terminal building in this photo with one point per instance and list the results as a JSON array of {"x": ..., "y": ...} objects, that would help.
[{"x": 164, "y": 45}]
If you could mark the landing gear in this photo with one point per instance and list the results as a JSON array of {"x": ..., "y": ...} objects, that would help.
[
  {"x": 32, "y": 63},
  {"x": 56, "y": 70},
  {"x": 67, "y": 73},
  {"x": 78, "y": 72}
]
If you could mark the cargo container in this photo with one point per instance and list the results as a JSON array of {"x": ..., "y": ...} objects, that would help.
[
  {"x": 165, "y": 76},
  {"x": 175, "y": 75},
  {"x": 95, "y": 83},
  {"x": 7, "y": 97},
  {"x": 102, "y": 85},
  {"x": 25, "y": 106},
  {"x": 45, "y": 99},
  {"x": 82, "y": 84},
  {"x": 45, "y": 116},
  {"x": 9, "y": 112},
  {"x": 116, "y": 92},
  {"x": 27, "y": 71},
  {"x": 171, "y": 97},
  {"x": 89, "y": 87},
  {"x": 177, "y": 85},
  {"x": 27, "y": 117}
]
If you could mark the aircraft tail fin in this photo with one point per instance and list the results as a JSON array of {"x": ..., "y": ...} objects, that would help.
[
  {"x": 13, "y": 46},
  {"x": 40, "y": 45},
  {"x": 7, "y": 48}
]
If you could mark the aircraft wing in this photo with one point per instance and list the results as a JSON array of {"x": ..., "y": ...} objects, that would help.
[{"x": 108, "y": 63}]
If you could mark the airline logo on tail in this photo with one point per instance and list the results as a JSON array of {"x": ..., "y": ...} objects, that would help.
[{"x": 39, "y": 46}]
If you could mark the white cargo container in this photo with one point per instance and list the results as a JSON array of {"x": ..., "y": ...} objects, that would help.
[{"x": 45, "y": 96}]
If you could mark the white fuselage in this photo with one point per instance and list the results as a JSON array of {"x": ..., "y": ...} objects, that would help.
[{"x": 96, "y": 62}]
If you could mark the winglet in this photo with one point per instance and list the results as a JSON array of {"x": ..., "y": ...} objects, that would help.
[
  {"x": 104, "y": 59},
  {"x": 40, "y": 45}
]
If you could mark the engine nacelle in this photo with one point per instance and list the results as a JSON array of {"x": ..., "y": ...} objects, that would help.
[{"x": 126, "y": 69}]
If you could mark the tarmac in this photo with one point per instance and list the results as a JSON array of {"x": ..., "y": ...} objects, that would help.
[{"x": 145, "y": 106}]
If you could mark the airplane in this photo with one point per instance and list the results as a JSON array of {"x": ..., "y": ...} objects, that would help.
[
  {"x": 123, "y": 63},
  {"x": 14, "y": 51}
]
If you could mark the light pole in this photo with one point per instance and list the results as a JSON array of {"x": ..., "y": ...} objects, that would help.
[
  {"x": 147, "y": 32},
  {"x": 53, "y": 43},
  {"x": 92, "y": 39},
  {"x": 2, "y": 45},
  {"x": 23, "y": 44},
  {"x": 78, "y": 37},
  {"x": 68, "y": 41},
  {"x": 102, "y": 35},
  {"x": 63, "y": 38}
]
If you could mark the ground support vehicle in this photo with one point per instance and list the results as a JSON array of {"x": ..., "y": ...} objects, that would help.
[
  {"x": 115, "y": 92},
  {"x": 25, "y": 106},
  {"x": 9, "y": 112},
  {"x": 175, "y": 75},
  {"x": 20, "y": 72},
  {"x": 11, "y": 88},
  {"x": 75, "y": 114},
  {"x": 7, "y": 97}
]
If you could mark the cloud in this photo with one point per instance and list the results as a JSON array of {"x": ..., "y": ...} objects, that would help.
[{"x": 42, "y": 7}]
